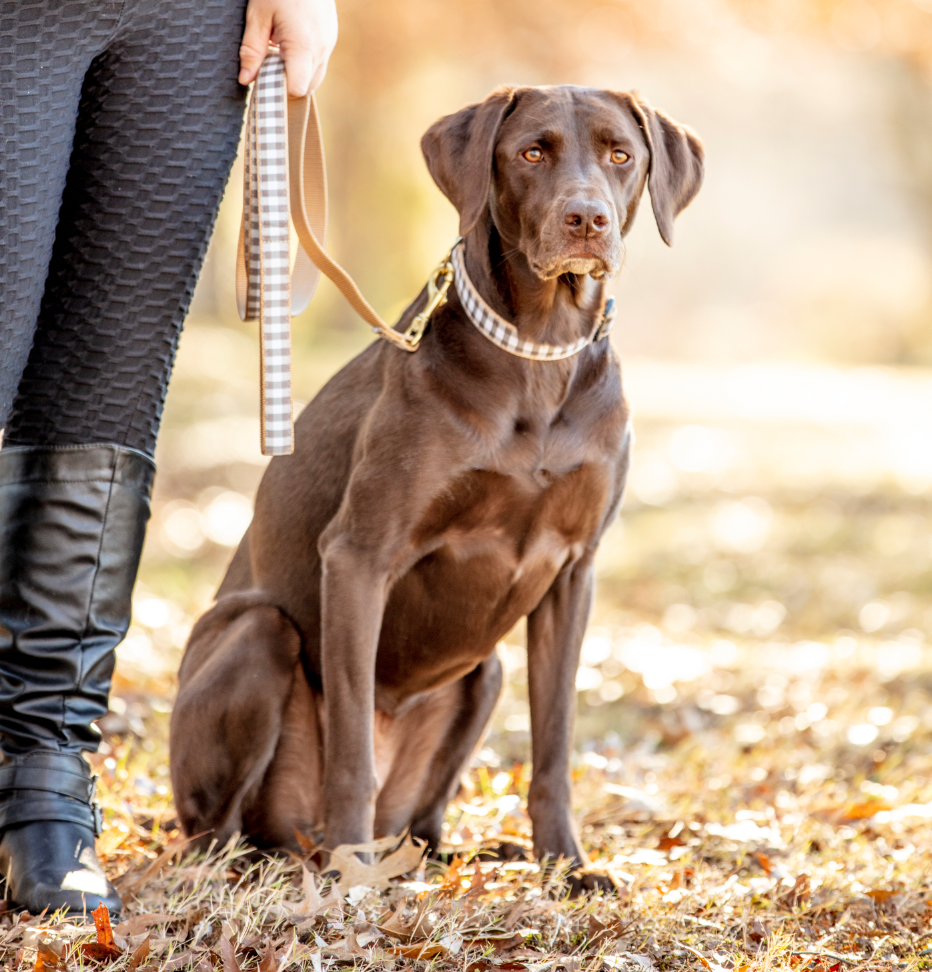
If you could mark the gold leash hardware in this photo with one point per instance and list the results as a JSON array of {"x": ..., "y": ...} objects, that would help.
[{"x": 437, "y": 286}]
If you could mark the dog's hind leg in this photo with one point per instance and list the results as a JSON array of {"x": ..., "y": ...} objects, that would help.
[
  {"x": 235, "y": 682},
  {"x": 432, "y": 748},
  {"x": 288, "y": 801}
]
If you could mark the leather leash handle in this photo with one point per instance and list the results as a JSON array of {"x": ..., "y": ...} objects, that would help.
[{"x": 308, "y": 185}]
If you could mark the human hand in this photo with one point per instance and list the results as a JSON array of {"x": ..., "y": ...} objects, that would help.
[{"x": 304, "y": 30}]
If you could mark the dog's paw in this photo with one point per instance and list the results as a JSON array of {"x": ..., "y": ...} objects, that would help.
[{"x": 590, "y": 882}]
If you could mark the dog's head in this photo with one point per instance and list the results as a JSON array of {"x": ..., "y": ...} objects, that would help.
[{"x": 562, "y": 170}]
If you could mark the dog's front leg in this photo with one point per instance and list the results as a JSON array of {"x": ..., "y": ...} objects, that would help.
[
  {"x": 353, "y": 599},
  {"x": 555, "y": 632}
]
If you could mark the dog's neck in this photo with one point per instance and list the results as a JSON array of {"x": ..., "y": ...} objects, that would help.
[{"x": 557, "y": 311}]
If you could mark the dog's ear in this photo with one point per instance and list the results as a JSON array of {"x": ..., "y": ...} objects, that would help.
[
  {"x": 676, "y": 164},
  {"x": 459, "y": 150}
]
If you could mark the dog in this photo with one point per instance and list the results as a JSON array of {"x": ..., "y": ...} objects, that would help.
[{"x": 347, "y": 671}]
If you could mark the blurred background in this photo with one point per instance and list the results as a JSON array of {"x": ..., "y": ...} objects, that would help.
[{"x": 768, "y": 581}]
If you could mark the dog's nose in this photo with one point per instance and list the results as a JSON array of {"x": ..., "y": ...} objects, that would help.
[{"x": 587, "y": 217}]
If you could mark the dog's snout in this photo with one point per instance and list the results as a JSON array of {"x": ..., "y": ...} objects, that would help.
[{"x": 587, "y": 217}]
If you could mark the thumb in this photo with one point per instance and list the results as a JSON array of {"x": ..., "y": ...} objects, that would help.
[{"x": 254, "y": 47}]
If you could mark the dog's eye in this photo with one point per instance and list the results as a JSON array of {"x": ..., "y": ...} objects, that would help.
[
  {"x": 619, "y": 157},
  {"x": 533, "y": 155}
]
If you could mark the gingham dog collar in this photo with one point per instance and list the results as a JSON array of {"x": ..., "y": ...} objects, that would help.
[{"x": 505, "y": 335}]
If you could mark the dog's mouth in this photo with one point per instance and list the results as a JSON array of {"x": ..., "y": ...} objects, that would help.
[{"x": 578, "y": 260}]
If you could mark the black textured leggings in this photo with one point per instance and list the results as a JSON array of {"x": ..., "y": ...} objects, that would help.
[{"x": 119, "y": 122}]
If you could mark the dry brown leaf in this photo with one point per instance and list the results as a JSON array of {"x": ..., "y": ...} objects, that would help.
[
  {"x": 394, "y": 926},
  {"x": 307, "y": 845},
  {"x": 228, "y": 955},
  {"x": 418, "y": 950},
  {"x": 105, "y": 948},
  {"x": 452, "y": 881},
  {"x": 798, "y": 893},
  {"x": 863, "y": 810},
  {"x": 269, "y": 960},
  {"x": 140, "y": 954},
  {"x": 127, "y": 884},
  {"x": 515, "y": 913},
  {"x": 101, "y": 916},
  {"x": 353, "y": 872},
  {"x": 698, "y": 955},
  {"x": 346, "y": 947},
  {"x": 313, "y": 903},
  {"x": 139, "y": 923},
  {"x": 46, "y": 957},
  {"x": 880, "y": 895}
]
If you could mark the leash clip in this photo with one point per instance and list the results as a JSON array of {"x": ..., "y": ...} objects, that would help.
[{"x": 437, "y": 286}]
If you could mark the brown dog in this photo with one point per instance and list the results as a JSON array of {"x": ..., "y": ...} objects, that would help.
[{"x": 348, "y": 670}]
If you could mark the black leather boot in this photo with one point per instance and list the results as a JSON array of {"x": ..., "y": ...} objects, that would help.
[
  {"x": 72, "y": 523},
  {"x": 48, "y": 821}
]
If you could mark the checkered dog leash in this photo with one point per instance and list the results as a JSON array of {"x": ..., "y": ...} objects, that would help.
[{"x": 286, "y": 176}]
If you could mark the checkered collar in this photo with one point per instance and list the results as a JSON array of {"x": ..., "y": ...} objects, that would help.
[{"x": 505, "y": 335}]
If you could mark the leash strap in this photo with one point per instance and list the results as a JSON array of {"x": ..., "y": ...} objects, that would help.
[{"x": 285, "y": 176}]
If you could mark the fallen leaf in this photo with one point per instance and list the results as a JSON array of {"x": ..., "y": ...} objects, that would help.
[
  {"x": 307, "y": 845},
  {"x": 105, "y": 948},
  {"x": 140, "y": 954},
  {"x": 101, "y": 916},
  {"x": 863, "y": 810},
  {"x": 764, "y": 862},
  {"x": 394, "y": 926},
  {"x": 798, "y": 893},
  {"x": 46, "y": 957},
  {"x": 269, "y": 961},
  {"x": 419, "y": 950},
  {"x": 228, "y": 955},
  {"x": 314, "y": 904},
  {"x": 139, "y": 923},
  {"x": 515, "y": 913},
  {"x": 452, "y": 880},
  {"x": 354, "y": 872},
  {"x": 345, "y": 948},
  {"x": 127, "y": 884},
  {"x": 880, "y": 895}
]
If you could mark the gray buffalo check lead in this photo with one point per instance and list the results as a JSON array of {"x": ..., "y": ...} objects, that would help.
[{"x": 266, "y": 244}]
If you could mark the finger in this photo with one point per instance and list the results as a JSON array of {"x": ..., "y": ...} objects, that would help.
[
  {"x": 299, "y": 70},
  {"x": 254, "y": 47},
  {"x": 318, "y": 78}
]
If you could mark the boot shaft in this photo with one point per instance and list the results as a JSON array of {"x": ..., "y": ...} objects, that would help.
[{"x": 72, "y": 525}]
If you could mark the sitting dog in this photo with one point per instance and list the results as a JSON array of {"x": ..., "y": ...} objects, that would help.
[{"x": 347, "y": 671}]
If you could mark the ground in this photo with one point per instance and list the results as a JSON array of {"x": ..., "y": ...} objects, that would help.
[{"x": 754, "y": 739}]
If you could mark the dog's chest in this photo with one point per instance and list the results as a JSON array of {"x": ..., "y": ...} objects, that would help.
[{"x": 518, "y": 527}]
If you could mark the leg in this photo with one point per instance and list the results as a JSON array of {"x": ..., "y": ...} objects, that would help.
[
  {"x": 45, "y": 50},
  {"x": 555, "y": 633},
  {"x": 238, "y": 673},
  {"x": 470, "y": 713},
  {"x": 150, "y": 156},
  {"x": 158, "y": 126},
  {"x": 353, "y": 600},
  {"x": 288, "y": 801}
]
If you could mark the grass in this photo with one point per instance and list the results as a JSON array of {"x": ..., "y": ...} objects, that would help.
[
  {"x": 764, "y": 818},
  {"x": 753, "y": 759}
]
